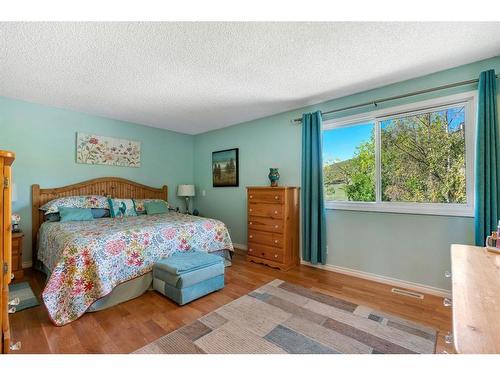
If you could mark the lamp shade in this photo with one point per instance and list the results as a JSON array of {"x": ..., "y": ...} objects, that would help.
[
  {"x": 185, "y": 191},
  {"x": 14, "y": 192}
]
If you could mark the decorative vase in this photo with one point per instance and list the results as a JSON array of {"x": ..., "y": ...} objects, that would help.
[{"x": 274, "y": 176}]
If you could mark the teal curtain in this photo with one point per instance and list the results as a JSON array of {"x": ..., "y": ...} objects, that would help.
[
  {"x": 313, "y": 206},
  {"x": 487, "y": 175}
]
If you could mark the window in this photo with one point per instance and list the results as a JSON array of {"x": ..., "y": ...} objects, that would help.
[
  {"x": 416, "y": 158},
  {"x": 349, "y": 163}
]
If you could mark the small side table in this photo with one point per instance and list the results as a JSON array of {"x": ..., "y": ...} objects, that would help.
[{"x": 17, "y": 254}]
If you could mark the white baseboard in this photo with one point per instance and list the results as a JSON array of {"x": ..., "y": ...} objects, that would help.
[
  {"x": 27, "y": 264},
  {"x": 383, "y": 279},
  {"x": 240, "y": 246}
]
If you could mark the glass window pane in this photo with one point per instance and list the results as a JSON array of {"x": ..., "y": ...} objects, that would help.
[
  {"x": 349, "y": 163},
  {"x": 423, "y": 157}
]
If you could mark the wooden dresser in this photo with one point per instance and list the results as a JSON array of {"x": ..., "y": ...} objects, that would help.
[
  {"x": 476, "y": 300},
  {"x": 273, "y": 226},
  {"x": 17, "y": 255},
  {"x": 6, "y": 160}
]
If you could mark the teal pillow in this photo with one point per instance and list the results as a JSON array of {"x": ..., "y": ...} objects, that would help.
[
  {"x": 156, "y": 207},
  {"x": 75, "y": 214}
]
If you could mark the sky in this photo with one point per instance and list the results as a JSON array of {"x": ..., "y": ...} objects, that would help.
[
  {"x": 340, "y": 144},
  {"x": 223, "y": 157}
]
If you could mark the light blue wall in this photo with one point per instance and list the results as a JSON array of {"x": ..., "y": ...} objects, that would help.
[
  {"x": 44, "y": 139},
  {"x": 409, "y": 247}
]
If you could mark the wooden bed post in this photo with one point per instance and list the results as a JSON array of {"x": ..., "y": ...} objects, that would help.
[
  {"x": 35, "y": 222},
  {"x": 164, "y": 190}
]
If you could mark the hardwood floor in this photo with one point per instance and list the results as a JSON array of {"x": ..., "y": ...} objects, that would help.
[{"x": 131, "y": 325}]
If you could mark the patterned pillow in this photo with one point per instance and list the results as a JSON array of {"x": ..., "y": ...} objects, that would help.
[
  {"x": 139, "y": 205},
  {"x": 121, "y": 207},
  {"x": 77, "y": 201}
]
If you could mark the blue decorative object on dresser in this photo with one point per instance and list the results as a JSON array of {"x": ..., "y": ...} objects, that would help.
[
  {"x": 274, "y": 176},
  {"x": 188, "y": 275}
]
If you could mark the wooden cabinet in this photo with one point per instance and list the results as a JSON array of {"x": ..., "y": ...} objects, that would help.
[
  {"x": 17, "y": 255},
  {"x": 476, "y": 300},
  {"x": 273, "y": 226},
  {"x": 6, "y": 160}
]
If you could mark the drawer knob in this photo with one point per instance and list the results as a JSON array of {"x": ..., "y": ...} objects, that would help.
[
  {"x": 16, "y": 346},
  {"x": 276, "y": 197},
  {"x": 275, "y": 241},
  {"x": 447, "y": 274},
  {"x": 251, "y": 236},
  {"x": 250, "y": 250},
  {"x": 251, "y": 196},
  {"x": 275, "y": 255},
  {"x": 276, "y": 226},
  {"x": 16, "y": 301},
  {"x": 251, "y": 223},
  {"x": 447, "y": 302},
  {"x": 250, "y": 210},
  {"x": 276, "y": 212},
  {"x": 263, "y": 254}
]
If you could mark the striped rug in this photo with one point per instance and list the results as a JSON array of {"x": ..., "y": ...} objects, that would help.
[
  {"x": 283, "y": 318},
  {"x": 26, "y": 296}
]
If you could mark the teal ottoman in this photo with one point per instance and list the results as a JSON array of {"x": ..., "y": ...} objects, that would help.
[{"x": 188, "y": 275}]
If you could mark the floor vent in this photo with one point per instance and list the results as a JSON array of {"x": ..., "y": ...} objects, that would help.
[{"x": 407, "y": 293}]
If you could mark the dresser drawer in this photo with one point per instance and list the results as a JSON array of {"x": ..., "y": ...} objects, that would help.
[
  {"x": 265, "y": 224},
  {"x": 266, "y": 210},
  {"x": 266, "y": 252},
  {"x": 266, "y": 196},
  {"x": 15, "y": 262},
  {"x": 266, "y": 238},
  {"x": 16, "y": 249}
]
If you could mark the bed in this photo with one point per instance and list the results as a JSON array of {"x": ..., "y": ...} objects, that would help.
[{"x": 92, "y": 265}]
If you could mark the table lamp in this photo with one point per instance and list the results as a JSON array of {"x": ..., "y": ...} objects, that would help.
[{"x": 186, "y": 191}]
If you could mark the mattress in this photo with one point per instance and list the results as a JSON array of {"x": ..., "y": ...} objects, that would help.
[{"x": 88, "y": 259}]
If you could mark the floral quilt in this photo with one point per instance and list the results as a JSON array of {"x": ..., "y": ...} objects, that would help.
[{"x": 89, "y": 258}]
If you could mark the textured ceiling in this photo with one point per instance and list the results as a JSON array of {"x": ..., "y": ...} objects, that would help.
[{"x": 195, "y": 77}]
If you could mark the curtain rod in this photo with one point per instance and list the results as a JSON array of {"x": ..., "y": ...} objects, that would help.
[{"x": 376, "y": 102}]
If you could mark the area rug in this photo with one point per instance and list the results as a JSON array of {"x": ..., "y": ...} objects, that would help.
[
  {"x": 283, "y": 318},
  {"x": 25, "y": 294}
]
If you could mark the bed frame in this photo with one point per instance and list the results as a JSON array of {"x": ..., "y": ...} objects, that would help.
[{"x": 113, "y": 187}]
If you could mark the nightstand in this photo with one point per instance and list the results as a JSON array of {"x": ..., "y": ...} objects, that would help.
[{"x": 17, "y": 254}]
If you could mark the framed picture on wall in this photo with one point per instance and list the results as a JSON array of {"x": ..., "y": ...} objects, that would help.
[{"x": 225, "y": 168}]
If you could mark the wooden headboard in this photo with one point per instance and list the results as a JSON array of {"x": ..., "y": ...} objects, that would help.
[{"x": 114, "y": 187}]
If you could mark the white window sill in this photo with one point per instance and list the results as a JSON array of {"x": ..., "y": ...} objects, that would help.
[{"x": 439, "y": 209}]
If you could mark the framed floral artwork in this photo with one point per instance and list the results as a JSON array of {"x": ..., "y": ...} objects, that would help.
[{"x": 96, "y": 149}]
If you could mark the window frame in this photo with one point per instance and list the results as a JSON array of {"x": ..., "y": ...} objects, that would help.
[{"x": 469, "y": 100}]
